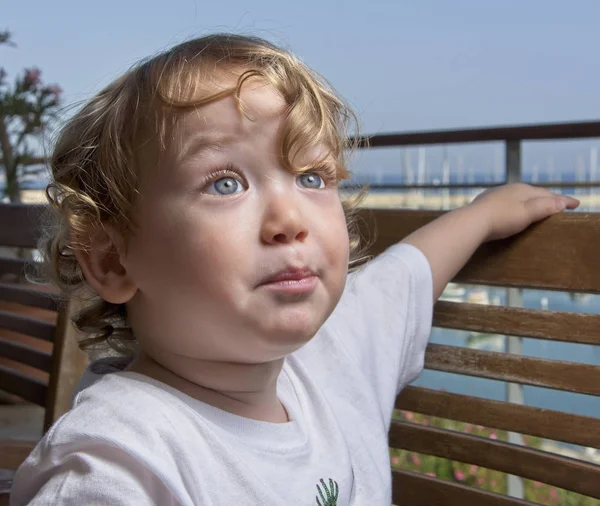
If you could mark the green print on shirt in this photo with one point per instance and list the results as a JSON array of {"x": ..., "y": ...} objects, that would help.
[{"x": 331, "y": 492}]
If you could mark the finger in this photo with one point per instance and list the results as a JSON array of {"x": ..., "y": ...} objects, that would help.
[
  {"x": 539, "y": 191},
  {"x": 539, "y": 208},
  {"x": 570, "y": 202}
]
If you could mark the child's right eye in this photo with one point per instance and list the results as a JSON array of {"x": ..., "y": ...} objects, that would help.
[
  {"x": 225, "y": 186},
  {"x": 224, "y": 182}
]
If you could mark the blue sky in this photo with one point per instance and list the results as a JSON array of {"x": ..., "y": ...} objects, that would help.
[{"x": 403, "y": 65}]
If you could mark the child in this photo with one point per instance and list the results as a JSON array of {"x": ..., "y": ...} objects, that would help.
[{"x": 196, "y": 197}]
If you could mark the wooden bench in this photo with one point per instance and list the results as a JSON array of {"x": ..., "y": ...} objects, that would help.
[
  {"x": 40, "y": 362},
  {"x": 561, "y": 253}
]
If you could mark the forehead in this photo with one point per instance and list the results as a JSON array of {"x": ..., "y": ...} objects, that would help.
[
  {"x": 258, "y": 106},
  {"x": 259, "y": 113}
]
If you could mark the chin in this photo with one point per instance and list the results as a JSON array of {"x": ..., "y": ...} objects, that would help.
[{"x": 291, "y": 335}]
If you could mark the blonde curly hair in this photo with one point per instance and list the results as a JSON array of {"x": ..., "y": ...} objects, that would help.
[{"x": 94, "y": 174}]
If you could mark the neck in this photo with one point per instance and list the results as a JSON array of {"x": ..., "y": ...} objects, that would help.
[{"x": 248, "y": 390}]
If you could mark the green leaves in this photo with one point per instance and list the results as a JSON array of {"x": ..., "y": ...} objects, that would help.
[{"x": 5, "y": 38}]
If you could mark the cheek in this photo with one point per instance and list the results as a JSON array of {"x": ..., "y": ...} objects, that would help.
[
  {"x": 181, "y": 248},
  {"x": 336, "y": 240}
]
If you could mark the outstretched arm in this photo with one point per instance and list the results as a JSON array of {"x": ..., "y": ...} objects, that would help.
[{"x": 449, "y": 241}]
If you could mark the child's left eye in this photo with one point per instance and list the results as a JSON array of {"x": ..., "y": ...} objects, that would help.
[{"x": 311, "y": 180}]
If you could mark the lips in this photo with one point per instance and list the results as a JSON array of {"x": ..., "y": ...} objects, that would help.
[
  {"x": 291, "y": 284},
  {"x": 289, "y": 275}
]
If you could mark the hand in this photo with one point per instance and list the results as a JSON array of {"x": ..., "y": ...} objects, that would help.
[{"x": 511, "y": 208}]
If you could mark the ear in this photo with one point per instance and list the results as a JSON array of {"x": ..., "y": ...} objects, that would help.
[{"x": 100, "y": 259}]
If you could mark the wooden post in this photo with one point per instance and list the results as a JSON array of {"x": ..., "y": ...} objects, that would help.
[
  {"x": 68, "y": 365},
  {"x": 514, "y": 298}
]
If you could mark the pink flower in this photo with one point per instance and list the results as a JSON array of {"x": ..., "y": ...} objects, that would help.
[
  {"x": 473, "y": 470},
  {"x": 493, "y": 483},
  {"x": 415, "y": 459},
  {"x": 409, "y": 416},
  {"x": 433, "y": 475},
  {"x": 32, "y": 77},
  {"x": 395, "y": 461},
  {"x": 480, "y": 480},
  {"x": 493, "y": 436},
  {"x": 536, "y": 484},
  {"x": 553, "y": 493},
  {"x": 459, "y": 475}
]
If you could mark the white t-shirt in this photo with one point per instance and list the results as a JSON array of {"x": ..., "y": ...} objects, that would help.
[{"x": 130, "y": 440}]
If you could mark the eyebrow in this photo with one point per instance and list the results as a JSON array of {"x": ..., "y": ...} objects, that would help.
[{"x": 203, "y": 142}]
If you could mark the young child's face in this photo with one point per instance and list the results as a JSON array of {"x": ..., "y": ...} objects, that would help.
[{"x": 219, "y": 219}]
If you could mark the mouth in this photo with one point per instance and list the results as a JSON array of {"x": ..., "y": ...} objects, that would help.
[{"x": 291, "y": 280}]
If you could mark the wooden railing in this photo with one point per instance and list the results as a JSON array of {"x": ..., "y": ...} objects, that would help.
[
  {"x": 512, "y": 137},
  {"x": 560, "y": 254},
  {"x": 557, "y": 254}
]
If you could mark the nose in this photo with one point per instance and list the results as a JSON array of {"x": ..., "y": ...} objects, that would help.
[{"x": 283, "y": 222}]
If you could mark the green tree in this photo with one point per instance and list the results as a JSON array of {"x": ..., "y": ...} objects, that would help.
[{"x": 27, "y": 108}]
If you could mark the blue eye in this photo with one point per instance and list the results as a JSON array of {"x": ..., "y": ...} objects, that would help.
[
  {"x": 226, "y": 186},
  {"x": 311, "y": 180}
]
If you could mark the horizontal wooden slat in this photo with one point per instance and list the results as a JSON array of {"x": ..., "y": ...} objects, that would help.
[
  {"x": 13, "y": 453},
  {"x": 559, "y": 253},
  {"x": 32, "y": 342},
  {"x": 568, "y": 376},
  {"x": 13, "y": 266},
  {"x": 22, "y": 385},
  {"x": 545, "y": 423},
  {"x": 578, "y": 130},
  {"x": 512, "y": 321},
  {"x": 563, "y": 472},
  {"x": 20, "y": 224},
  {"x": 30, "y": 326},
  {"x": 414, "y": 489},
  {"x": 21, "y": 353},
  {"x": 27, "y": 370},
  {"x": 29, "y": 311},
  {"x": 29, "y": 297}
]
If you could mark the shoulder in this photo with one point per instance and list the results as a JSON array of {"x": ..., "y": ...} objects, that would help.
[
  {"x": 381, "y": 324},
  {"x": 120, "y": 409},
  {"x": 397, "y": 266},
  {"x": 116, "y": 446}
]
